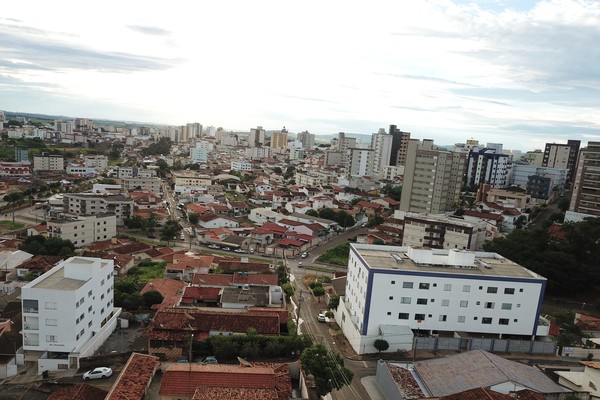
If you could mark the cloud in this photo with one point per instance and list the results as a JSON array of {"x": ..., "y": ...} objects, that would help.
[{"x": 149, "y": 30}]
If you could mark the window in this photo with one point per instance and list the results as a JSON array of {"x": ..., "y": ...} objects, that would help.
[
  {"x": 509, "y": 290},
  {"x": 51, "y": 322},
  {"x": 445, "y": 302},
  {"x": 393, "y": 282},
  {"x": 90, "y": 309},
  {"x": 90, "y": 324},
  {"x": 424, "y": 286},
  {"x": 466, "y": 288},
  {"x": 407, "y": 285},
  {"x": 443, "y": 318},
  {"x": 402, "y": 315},
  {"x": 489, "y": 305},
  {"x": 419, "y": 317},
  {"x": 50, "y": 305},
  {"x": 486, "y": 320},
  {"x": 391, "y": 297},
  {"x": 461, "y": 319},
  {"x": 503, "y": 321},
  {"x": 389, "y": 313},
  {"x": 81, "y": 300},
  {"x": 422, "y": 301},
  {"x": 447, "y": 287},
  {"x": 492, "y": 290},
  {"x": 50, "y": 338},
  {"x": 90, "y": 293},
  {"x": 405, "y": 300},
  {"x": 464, "y": 303},
  {"x": 102, "y": 282},
  {"x": 506, "y": 306}
]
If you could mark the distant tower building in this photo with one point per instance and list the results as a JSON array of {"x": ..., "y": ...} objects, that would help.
[
  {"x": 586, "y": 186},
  {"x": 257, "y": 137},
  {"x": 279, "y": 141},
  {"x": 343, "y": 144},
  {"x": 432, "y": 178},
  {"x": 562, "y": 156},
  {"x": 360, "y": 161},
  {"x": 21, "y": 154},
  {"x": 307, "y": 139},
  {"x": 84, "y": 124},
  {"x": 399, "y": 146},
  {"x": 487, "y": 166},
  {"x": 65, "y": 127},
  {"x": 381, "y": 143}
]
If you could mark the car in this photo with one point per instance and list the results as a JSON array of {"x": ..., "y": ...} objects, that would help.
[
  {"x": 151, "y": 236},
  {"x": 239, "y": 251},
  {"x": 209, "y": 360},
  {"x": 304, "y": 255},
  {"x": 251, "y": 251},
  {"x": 182, "y": 236},
  {"x": 213, "y": 246},
  {"x": 97, "y": 373},
  {"x": 226, "y": 249},
  {"x": 300, "y": 265},
  {"x": 182, "y": 360},
  {"x": 364, "y": 224},
  {"x": 321, "y": 318}
]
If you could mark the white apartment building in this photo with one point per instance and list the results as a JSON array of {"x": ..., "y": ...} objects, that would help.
[
  {"x": 96, "y": 161},
  {"x": 296, "y": 153},
  {"x": 135, "y": 172},
  {"x": 93, "y": 204},
  {"x": 256, "y": 137},
  {"x": 360, "y": 161},
  {"x": 258, "y": 153},
  {"x": 314, "y": 178},
  {"x": 241, "y": 166},
  {"x": 393, "y": 172},
  {"x": 392, "y": 292},
  {"x": 68, "y": 312},
  {"x": 139, "y": 183},
  {"x": 263, "y": 214},
  {"x": 81, "y": 171},
  {"x": 381, "y": 143},
  {"x": 191, "y": 179},
  {"x": 48, "y": 162},
  {"x": 520, "y": 174},
  {"x": 83, "y": 230},
  {"x": 199, "y": 154}
]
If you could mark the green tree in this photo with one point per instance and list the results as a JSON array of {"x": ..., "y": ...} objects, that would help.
[
  {"x": 312, "y": 213},
  {"x": 134, "y": 301},
  {"x": 327, "y": 368},
  {"x": 381, "y": 345},
  {"x": 375, "y": 220},
  {"x": 152, "y": 297},
  {"x": 344, "y": 219},
  {"x": 563, "y": 204},
  {"x": 318, "y": 292},
  {"x": 277, "y": 170},
  {"x": 193, "y": 218},
  {"x": 392, "y": 191},
  {"x": 288, "y": 289},
  {"x": 334, "y": 302},
  {"x": 169, "y": 230},
  {"x": 327, "y": 213}
]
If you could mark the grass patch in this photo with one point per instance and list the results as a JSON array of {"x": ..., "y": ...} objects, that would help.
[
  {"x": 148, "y": 269},
  {"x": 338, "y": 255},
  {"x": 11, "y": 225},
  {"x": 319, "y": 269}
]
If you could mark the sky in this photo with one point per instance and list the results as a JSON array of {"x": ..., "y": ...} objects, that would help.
[{"x": 521, "y": 73}]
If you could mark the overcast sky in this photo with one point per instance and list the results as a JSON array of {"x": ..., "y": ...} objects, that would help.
[{"x": 521, "y": 72}]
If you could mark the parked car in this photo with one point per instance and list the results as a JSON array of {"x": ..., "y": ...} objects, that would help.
[
  {"x": 213, "y": 246},
  {"x": 239, "y": 251},
  {"x": 97, "y": 373},
  {"x": 300, "y": 265},
  {"x": 226, "y": 249},
  {"x": 182, "y": 360},
  {"x": 321, "y": 318},
  {"x": 304, "y": 255},
  {"x": 209, "y": 360}
]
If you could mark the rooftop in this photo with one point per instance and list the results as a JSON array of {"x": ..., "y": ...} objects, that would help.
[
  {"x": 441, "y": 261},
  {"x": 56, "y": 280}
]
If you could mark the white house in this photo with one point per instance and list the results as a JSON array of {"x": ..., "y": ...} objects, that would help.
[
  {"x": 394, "y": 290},
  {"x": 262, "y": 215},
  {"x": 68, "y": 312},
  {"x": 83, "y": 230},
  {"x": 216, "y": 221}
]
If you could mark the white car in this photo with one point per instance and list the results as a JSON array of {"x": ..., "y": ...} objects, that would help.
[
  {"x": 213, "y": 246},
  {"x": 304, "y": 255},
  {"x": 97, "y": 373},
  {"x": 321, "y": 318}
]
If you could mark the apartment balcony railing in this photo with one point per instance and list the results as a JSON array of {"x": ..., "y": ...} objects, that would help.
[
  {"x": 32, "y": 327},
  {"x": 30, "y": 310},
  {"x": 30, "y": 342}
]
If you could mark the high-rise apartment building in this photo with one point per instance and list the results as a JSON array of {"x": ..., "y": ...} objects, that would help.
[
  {"x": 257, "y": 137},
  {"x": 307, "y": 139},
  {"x": 65, "y": 127},
  {"x": 48, "y": 162},
  {"x": 381, "y": 143},
  {"x": 487, "y": 165},
  {"x": 432, "y": 178},
  {"x": 399, "y": 146},
  {"x": 279, "y": 141},
  {"x": 562, "y": 156},
  {"x": 586, "y": 186},
  {"x": 360, "y": 161}
]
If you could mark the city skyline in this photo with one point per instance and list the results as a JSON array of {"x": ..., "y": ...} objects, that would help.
[{"x": 518, "y": 72}]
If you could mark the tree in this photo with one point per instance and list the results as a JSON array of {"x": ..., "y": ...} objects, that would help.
[
  {"x": 327, "y": 368},
  {"x": 133, "y": 301},
  {"x": 375, "y": 220},
  {"x": 312, "y": 213},
  {"x": 327, "y": 213},
  {"x": 344, "y": 219},
  {"x": 393, "y": 192},
  {"x": 318, "y": 292},
  {"x": 152, "y": 297},
  {"x": 193, "y": 218},
  {"x": 277, "y": 170},
  {"x": 381, "y": 345},
  {"x": 334, "y": 302},
  {"x": 169, "y": 230},
  {"x": 288, "y": 289},
  {"x": 563, "y": 204},
  {"x": 53, "y": 246}
]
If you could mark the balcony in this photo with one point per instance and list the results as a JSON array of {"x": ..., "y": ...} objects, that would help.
[
  {"x": 30, "y": 310},
  {"x": 31, "y": 327},
  {"x": 31, "y": 342}
]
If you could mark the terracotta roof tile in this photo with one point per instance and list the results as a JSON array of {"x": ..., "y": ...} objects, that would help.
[
  {"x": 254, "y": 279},
  {"x": 134, "y": 379},
  {"x": 170, "y": 289},
  {"x": 132, "y": 248},
  {"x": 212, "y": 279},
  {"x": 228, "y": 265},
  {"x": 40, "y": 263},
  {"x": 195, "y": 293},
  {"x": 79, "y": 392},
  {"x": 477, "y": 394}
]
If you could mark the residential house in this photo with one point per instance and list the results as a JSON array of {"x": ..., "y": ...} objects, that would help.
[
  {"x": 238, "y": 208},
  {"x": 134, "y": 380},
  {"x": 208, "y": 221},
  {"x": 170, "y": 289}
]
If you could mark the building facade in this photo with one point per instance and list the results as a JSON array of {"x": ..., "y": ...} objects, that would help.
[
  {"x": 83, "y": 230},
  {"x": 139, "y": 183},
  {"x": 360, "y": 162},
  {"x": 399, "y": 146},
  {"x": 65, "y": 309},
  {"x": 381, "y": 143},
  {"x": 586, "y": 188},
  {"x": 394, "y": 291},
  {"x": 83, "y": 204},
  {"x": 432, "y": 178},
  {"x": 562, "y": 156},
  {"x": 487, "y": 166},
  {"x": 48, "y": 162}
]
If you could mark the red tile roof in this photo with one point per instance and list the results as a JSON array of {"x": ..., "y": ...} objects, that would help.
[
  {"x": 135, "y": 378},
  {"x": 79, "y": 392},
  {"x": 390, "y": 201},
  {"x": 212, "y": 279},
  {"x": 254, "y": 279},
  {"x": 368, "y": 204},
  {"x": 228, "y": 265},
  {"x": 290, "y": 222},
  {"x": 132, "y": 248},
  {"x": 176, "y": 324},
  {"x": 477, "y": 394},
  {"x": 171, "y": 290},
  {"x": 240, "y": 382},
  {"x": 405, "y": 382},
  {"x": 195, "y": 293},
  {"x": 290, "y": 242},
  {"x": 274, "y": 227},
  {"x": 40, "y": 263}
]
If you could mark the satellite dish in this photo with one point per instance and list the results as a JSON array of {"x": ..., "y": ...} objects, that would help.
[{"x": 244, "y": 362}]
